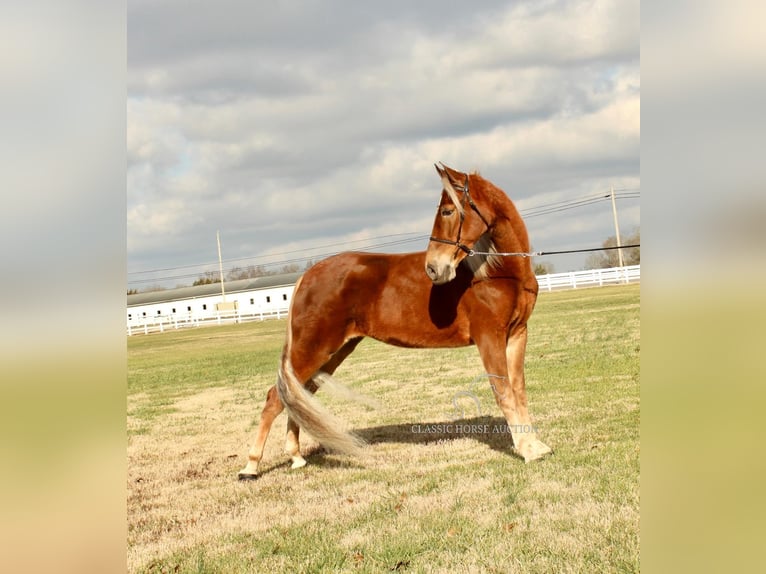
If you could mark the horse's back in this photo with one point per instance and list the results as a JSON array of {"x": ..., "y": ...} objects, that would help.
[{"x": 359, "y": 279}]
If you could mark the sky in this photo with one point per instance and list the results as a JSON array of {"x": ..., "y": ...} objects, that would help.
[{"x": 302, "y": 129}]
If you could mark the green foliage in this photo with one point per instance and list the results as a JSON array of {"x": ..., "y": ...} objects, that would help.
[{"x": 208, "y": 278}]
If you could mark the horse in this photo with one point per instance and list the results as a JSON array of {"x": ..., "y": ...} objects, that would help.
[{"x": 463, "y": 290}]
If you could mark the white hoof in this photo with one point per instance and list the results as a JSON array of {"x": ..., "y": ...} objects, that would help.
[
  {"x": 532, "y": 450},
  {"x": 298, "y": 462},
  {"x": 250, "y": 472}
]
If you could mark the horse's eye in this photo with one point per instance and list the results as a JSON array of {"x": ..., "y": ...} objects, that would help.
[{"x": 446, "y": 212}]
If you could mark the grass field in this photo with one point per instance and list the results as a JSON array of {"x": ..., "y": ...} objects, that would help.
[{"x": 451, "y": 500}]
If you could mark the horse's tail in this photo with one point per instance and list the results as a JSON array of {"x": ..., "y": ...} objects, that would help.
[
  {"x": 308, "y": 412},
  {"x": 304, "y": 408}
]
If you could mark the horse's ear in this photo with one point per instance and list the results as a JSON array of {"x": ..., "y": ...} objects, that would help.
[
  {"x": 455, "y": 178},
  {"x": 446, "y": 179},
  {"x": 448, "y": 182}
]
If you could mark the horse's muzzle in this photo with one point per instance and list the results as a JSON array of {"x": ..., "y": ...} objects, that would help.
[{"x": 440, "y": 274}]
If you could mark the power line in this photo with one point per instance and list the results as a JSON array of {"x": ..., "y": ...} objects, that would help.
[
  {"x": 270, "y": 254},
  {"x": 536, "y": 211},
  {"x": 284, "y": 262},
  {"x": 570, "y": 204},
  {"x": 555, "y": 209}
]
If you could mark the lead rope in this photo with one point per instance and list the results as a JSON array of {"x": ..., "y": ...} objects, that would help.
[{"x": 540, "y": 253}]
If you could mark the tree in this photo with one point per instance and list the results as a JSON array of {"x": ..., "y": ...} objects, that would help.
[
  {"x": 543, "y": 268},
  {"x": 290, "y": 268},
  {"x": 256, "y": 271},
  {"x": 249, "y": 272},
  {"x": 207, "y": 278},
  {"x": 610, "y": 258},
  {"x": 237, "y": 273}
]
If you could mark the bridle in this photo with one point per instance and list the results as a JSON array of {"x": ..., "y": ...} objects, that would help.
[{"x": 466, "y": 198}]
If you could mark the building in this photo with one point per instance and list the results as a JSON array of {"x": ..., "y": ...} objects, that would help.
[{"x": 246, "y": 300}]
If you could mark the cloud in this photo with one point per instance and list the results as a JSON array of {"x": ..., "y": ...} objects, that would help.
[{"x": 281, "y": 126}]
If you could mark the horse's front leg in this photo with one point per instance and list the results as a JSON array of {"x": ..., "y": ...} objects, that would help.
[
  {"x": 526, "y": 443},
  {"x": 504, "y": 362}
]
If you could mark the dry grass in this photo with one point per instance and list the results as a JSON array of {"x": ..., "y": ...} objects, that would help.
[{"x": 417, "y": 501}]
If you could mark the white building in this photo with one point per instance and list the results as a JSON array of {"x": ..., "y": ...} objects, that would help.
[{"x": 246, "y": 300}]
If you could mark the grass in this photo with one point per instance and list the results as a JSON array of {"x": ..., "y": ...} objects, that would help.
[{"x": 419, "y": 501}]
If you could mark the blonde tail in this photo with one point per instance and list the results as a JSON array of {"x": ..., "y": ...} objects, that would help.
[{"x": 309, "y": 413}]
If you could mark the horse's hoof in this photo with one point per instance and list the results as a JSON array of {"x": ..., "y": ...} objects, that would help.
[
  {"x": 533, "y": 450},
  {"x": 242, "y": 475},
  {"x": 298, "y": 462}
]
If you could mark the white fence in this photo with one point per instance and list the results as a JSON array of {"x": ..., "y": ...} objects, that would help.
[
  {"x": 570, "y": 280},
  {"x": 161, "y": 323},
  {"x": 590, "y": 278}
]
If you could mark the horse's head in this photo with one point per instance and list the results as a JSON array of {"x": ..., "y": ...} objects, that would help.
[{"x": 458, "y": 226}]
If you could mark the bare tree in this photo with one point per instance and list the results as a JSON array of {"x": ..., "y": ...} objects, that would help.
[
  {"x": 610, "y": 258},
  {"x": 290, "y": 268}
]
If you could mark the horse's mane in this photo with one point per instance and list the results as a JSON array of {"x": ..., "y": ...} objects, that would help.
[{"x": 481, "y": 265}]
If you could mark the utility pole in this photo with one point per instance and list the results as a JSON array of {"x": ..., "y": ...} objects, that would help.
[
  {"x": 616, "y": 228},
  {"x": 220, "y": 263}
]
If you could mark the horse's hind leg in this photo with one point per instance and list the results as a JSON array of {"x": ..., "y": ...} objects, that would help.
[
  {"x": 340, "y": 355},
  {"x": 270, "y": 411},
  {"x": 292, "y": 439}
]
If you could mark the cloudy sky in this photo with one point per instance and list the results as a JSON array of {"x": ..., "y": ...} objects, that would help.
[{"x": 299, "y": 129}]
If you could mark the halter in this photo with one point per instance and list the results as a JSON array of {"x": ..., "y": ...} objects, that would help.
[{"x": 466, "y": 198}]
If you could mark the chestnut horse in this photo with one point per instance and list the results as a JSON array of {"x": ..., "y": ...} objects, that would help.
[{"x": 447, "y": 296}]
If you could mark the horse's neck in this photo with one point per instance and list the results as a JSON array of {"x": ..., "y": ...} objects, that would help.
[{"x": 509, "y": 234}]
